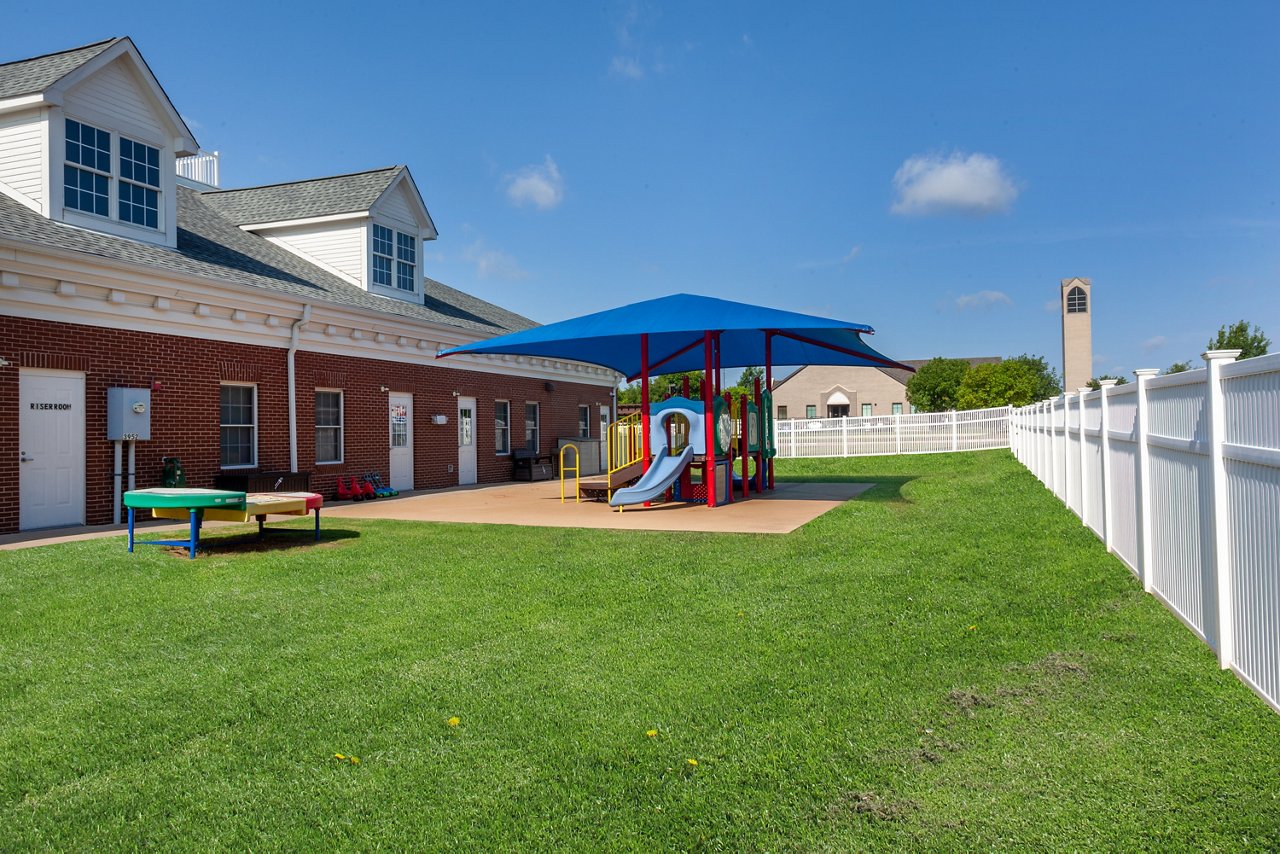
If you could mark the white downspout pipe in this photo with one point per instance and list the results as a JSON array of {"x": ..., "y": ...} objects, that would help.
[{"x": 294, "y": 332}]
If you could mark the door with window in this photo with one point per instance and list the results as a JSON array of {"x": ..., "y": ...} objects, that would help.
[
  {"x": 51, "y": 448},
  {"x": 400, "y": 416},
  {"x": 604, "y": 438},
  {"x": 466, "y": 441}
]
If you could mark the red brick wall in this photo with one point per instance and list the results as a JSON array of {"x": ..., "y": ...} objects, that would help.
[{"x": 185, "y": 407}]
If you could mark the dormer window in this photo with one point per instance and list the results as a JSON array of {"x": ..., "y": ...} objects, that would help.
[
  {"x": 382, "y": 255},
  {"x": 139, "y": 183},
  {"x": 395, "y": 251},
  {"x": 87, "y": 182},
  {"x": 87, "y": 176},
  {"x": 406, "y": 262}
]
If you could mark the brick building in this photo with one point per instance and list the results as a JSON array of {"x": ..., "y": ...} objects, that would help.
[{"x": 281, "y": 328}]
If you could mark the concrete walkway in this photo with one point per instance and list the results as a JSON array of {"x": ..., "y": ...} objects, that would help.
[{"x": 536, "y": 505}]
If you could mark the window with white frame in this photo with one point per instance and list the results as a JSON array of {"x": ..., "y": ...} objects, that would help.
[
  {"x": 86, "y": 175},
  {"x": 584, "y": 421},
  {"x": 502, "y": 426},
  {"x": 139, "y": 183},
  {"x": 88, "y": 172},
  {"x": 531, "y": 427},
  {"x": 811, "y": 410},
  {"x": 328, "y": 426},
  {"x": 238, "y": 426},
  {"x": 897, "y": 409},
  {"x": 383, "y": 255},
  {"x": 782, "y": 413},
  {"x": 406, "y": 261},
  {"x": 866, "y": 410}
]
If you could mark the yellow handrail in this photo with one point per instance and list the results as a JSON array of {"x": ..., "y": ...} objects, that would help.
[
  {"x": 624, "y": 446},
  {"x": 577, "y": 466}
]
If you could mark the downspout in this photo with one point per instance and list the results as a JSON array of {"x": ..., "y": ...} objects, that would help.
[{"x": 294, "y": 332}]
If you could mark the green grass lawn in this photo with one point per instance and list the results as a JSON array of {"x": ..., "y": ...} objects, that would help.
[{"x": 950, "y": 661}]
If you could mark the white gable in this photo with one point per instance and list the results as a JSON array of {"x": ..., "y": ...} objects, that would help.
[
  {"x": 395, "y": 205},
  {"x": 114, "y": 96}
]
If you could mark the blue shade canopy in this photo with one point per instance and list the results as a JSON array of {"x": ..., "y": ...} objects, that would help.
[{"x": 675, "y": 325}]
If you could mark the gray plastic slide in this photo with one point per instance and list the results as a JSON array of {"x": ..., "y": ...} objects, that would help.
[{"x": 662, "y": 472}]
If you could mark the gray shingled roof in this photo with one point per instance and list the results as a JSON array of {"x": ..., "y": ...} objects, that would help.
[
  {"x": 211, "y": 246},
  {"x": 27, "y": 76},
  {"x": 303, "y": 199}
]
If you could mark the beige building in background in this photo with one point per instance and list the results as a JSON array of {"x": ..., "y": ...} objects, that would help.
[
  {"x": 833, "y": 391},
  {"x": 1077, "y": 333}
]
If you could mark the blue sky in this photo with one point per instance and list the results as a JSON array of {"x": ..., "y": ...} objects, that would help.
[{"x": 930, "y": 169}]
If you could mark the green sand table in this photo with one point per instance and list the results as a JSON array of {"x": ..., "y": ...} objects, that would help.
[{"x": 189, "y": 499}]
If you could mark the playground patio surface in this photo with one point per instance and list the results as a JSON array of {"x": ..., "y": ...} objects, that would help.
[
  {"x": 781, "y": 511},
  {"x": 538, "y": 505}
]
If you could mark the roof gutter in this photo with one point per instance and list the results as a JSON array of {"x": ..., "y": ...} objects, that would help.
[{"x": 294, "y": 332}]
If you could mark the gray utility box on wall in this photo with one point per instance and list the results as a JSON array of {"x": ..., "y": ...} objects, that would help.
[{"x": 128, "y": 414}]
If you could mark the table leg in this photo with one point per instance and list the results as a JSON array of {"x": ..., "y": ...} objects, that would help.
[
  {"x": 317, "y": 524},
  {"x": 130, "y": 530},
  {"x": 262, "y": 523},
  {"x": 195, "y": 534}
]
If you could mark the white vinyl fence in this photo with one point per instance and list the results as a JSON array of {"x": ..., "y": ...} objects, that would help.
[
  {"x": 918, "y": 433},
  {"x": 1180, "y": 477}
]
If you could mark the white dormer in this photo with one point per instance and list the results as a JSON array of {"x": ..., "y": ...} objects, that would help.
[
  {"x": 368, "y": 228},
  {"x": 89, "y": 137}
]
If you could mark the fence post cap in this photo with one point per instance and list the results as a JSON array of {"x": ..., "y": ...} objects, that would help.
[
  {"x": 1107, "y": 383},
  {"x": 1146, "y": 372},
  {"x": 1220, "y": 355},
  {"x": 1084, "y": 389}
]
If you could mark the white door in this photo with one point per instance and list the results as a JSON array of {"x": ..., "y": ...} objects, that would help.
[
  {"x": 466, "y": 440},
  {"x": 51, "y": 448},
  {"x": 401, "y": 433},
  {"x": 604, "y": 438}
]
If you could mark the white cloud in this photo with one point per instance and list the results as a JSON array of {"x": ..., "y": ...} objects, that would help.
[
  {"x": 493, "y": 263},
  {"x": 983, "y": 299},
  {"x": 747, "y": 41},
  {"x": 626, "y": 66},
  {"x": 1154, "y": 343},
  {"x": 539, "y": 185},
  {"x": 825, "y": 265},
  {"x": 1053, "y": 306},
  {"x": 974, "y": 184}
]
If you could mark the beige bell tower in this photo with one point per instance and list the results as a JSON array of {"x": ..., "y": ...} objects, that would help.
[{"x": 1077, "y": 333}]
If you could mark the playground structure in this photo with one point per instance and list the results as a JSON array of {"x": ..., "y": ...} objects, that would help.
[
  {"x": 744, "y": 439},
  {"x": 664, "y": 335},
  {"x": 197, "y": 505}
]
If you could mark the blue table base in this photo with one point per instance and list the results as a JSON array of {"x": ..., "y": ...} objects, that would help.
[{"x": 192, "y": 543}]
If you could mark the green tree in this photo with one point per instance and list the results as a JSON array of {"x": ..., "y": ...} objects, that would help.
[
  {"x": 660, "y": 386},
  {"x": 935, "y": 386},
  {"x": 1014, "y": 382},
  {"x": 1096, "y": 382},
  {"x": 1178, "y": 367},
  {"x": 1238, "y": 336}
]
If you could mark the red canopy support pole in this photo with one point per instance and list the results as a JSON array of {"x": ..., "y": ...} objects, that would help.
[
  {"x": 719, "y": 389},
  {"x": 708, "y": 422},
  {"x": 768, "y": 386},
  {"x": 684, "y": 389},
  {"x": 644, "y": 400}
]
